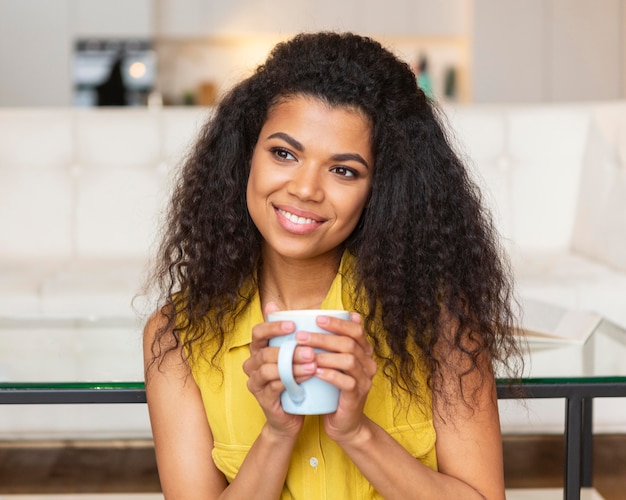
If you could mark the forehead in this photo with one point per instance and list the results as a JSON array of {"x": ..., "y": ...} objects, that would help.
[{"x": 301, "y": 101}]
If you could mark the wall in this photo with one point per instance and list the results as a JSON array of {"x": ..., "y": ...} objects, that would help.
[{"x": 548, "y": 50}]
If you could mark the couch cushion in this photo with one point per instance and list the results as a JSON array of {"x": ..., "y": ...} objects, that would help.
[
  {"x": 600, "y": 229},
  {"x": 36, "y": 220},
  {"x": 86, "y": 288},
  {"x": 36, "y": 138},
  {"x": 117, "y": 212},
  {"x": 117, "y": 138},
  {"x": 572, "y": 281},
  {"x": 36, "y": 153},
  {"x": 479, "y": 135},
  {"x": 546, "y": 145},
  {"x": 20, "y": 286},
  {"x": 180, "y": 128}
]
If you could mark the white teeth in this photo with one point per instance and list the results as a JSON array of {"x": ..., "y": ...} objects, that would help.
[{"x": 295, "y": 219}]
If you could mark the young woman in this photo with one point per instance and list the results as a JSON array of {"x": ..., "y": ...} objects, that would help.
[{"x": 325, "y": 181}]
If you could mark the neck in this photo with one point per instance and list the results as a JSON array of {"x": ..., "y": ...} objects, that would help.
[{"x": 294, "y": 284}]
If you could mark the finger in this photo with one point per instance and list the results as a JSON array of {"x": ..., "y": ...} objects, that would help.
[
  {"x": 351, "y": 328},
  {"x": 333, "y": 343},
  {"x": 362, "y": 338},
  {"x": 263, "y": 332},
  {"x": 270, "y": 307},
  {"x": 265, "y": 379},
  {"x": 302, "y": 354},
  {"x": 355, "y": 365},
  {"x": 345, "y": 381}
]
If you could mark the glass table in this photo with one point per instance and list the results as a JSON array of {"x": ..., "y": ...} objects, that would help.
[
  {"x": 578, "y": 373},
  {"x": 71, "y": 360},
  {"x": 96, "y": 360}
]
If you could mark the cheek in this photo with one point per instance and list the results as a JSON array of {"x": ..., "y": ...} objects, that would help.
[
  {"x": 251, "y": 190},
  {"x": 352, "y": 208},
  {"x": 258, "y": 187},
  {"x": 257, "y": 192}
]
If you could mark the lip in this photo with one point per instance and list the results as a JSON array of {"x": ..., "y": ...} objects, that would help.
[{"x": 307, "y": 221}]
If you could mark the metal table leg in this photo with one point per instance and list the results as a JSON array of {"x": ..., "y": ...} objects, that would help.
[
  {"x": 573, "y": 447},
  {"x": 587, "y": 443}
]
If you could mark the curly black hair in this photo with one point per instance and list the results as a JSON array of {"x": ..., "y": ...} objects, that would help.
[{"x": 427, "y": 257}]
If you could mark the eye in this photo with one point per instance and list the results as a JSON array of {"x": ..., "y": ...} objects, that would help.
[
  {"x": 282, "y": 154},
  {"x": 344, "y": 171}
]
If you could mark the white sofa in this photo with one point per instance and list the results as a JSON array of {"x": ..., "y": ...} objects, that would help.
[
  {"x": 555, "y": 178},
  {"x": 83, "y": 190},
  {"x": 82, "y": 193}
]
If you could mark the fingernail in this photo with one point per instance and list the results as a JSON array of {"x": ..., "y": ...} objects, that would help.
[
  {"x": 302, "y": 336},
  {"x": 322, "y": 320},
  {"x": 288, "y": 326}
]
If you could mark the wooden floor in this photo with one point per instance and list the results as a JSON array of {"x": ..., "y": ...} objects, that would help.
[
  {"x": 129, "y": 467},
  {"x": 538, "y": 462}
]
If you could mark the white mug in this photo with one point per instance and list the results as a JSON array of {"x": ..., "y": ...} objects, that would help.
[{"x": 313, "y": 396}]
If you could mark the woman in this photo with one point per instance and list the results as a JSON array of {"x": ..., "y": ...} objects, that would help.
[{"x": 325, "y": 181}]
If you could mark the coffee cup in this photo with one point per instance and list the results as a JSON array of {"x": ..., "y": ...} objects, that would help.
[{"x": 313, "y": 396}]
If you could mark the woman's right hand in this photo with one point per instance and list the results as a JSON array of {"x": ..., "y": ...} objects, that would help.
[{"x": 262, "y": 370}]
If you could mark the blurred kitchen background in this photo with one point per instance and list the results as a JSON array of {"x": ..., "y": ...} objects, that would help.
[{"x": 177, "y": 52}]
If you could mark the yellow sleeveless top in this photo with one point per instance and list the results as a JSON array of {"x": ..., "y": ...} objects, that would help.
[{"x": 319, "y": 469}]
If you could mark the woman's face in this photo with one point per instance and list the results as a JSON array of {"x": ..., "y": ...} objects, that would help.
[{"x": 310, "y": 177}]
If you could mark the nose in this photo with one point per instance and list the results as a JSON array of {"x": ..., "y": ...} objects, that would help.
[{"x": 306, "y": 183}]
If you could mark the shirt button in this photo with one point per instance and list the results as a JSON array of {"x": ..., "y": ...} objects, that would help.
[{"x": 313, "y": 462}]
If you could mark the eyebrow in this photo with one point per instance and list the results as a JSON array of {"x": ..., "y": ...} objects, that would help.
[
  {"x": 338, "y": 157},
  {"x": 288, "y": 139},
  {"x": 351, "y": 157}
]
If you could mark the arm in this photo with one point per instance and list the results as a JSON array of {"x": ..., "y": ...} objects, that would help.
[
  {"x": 469, "y": 456},
  {"x": 468, "y": 444},
  {"x": 183, "y": 439}
]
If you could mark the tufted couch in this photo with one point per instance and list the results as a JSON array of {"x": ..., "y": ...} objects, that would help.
[
  {"x": 82, "y": 192},
  {"x": 555, "y": 178}
]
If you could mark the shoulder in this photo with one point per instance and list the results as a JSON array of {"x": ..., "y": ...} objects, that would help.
[{"x": 162, "y": 349}]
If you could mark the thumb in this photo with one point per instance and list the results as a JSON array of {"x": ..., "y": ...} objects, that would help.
[{"x": 270, "y": 308}]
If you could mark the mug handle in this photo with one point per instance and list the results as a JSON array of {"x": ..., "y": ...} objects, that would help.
[{"x": 285, "y": 371}]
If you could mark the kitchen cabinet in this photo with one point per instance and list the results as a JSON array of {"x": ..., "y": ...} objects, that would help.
[
  {"x": 112, "y": 18},
  {"x": 421, "y": 18},
  {"x": 584, "y": 47},
  {"x": 188, "y": 19},
  {"x": 191, "y": 18},
  {"x": 257, "y": 17},
  {"x": 333, "y": 15},
  {"x": 548, "y": 50},
  {"x": 203, "y": 18},
  {"x": 35, "y": 43},
  {"x": 450, "y": 18},
  {"x": 508, "y": 50}
]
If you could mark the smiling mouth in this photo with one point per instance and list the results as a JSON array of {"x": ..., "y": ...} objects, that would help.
[{"x": 295, "y": 219}]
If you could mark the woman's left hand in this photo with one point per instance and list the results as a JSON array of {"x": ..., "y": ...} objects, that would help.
[{"x": 349, "y": 365}]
